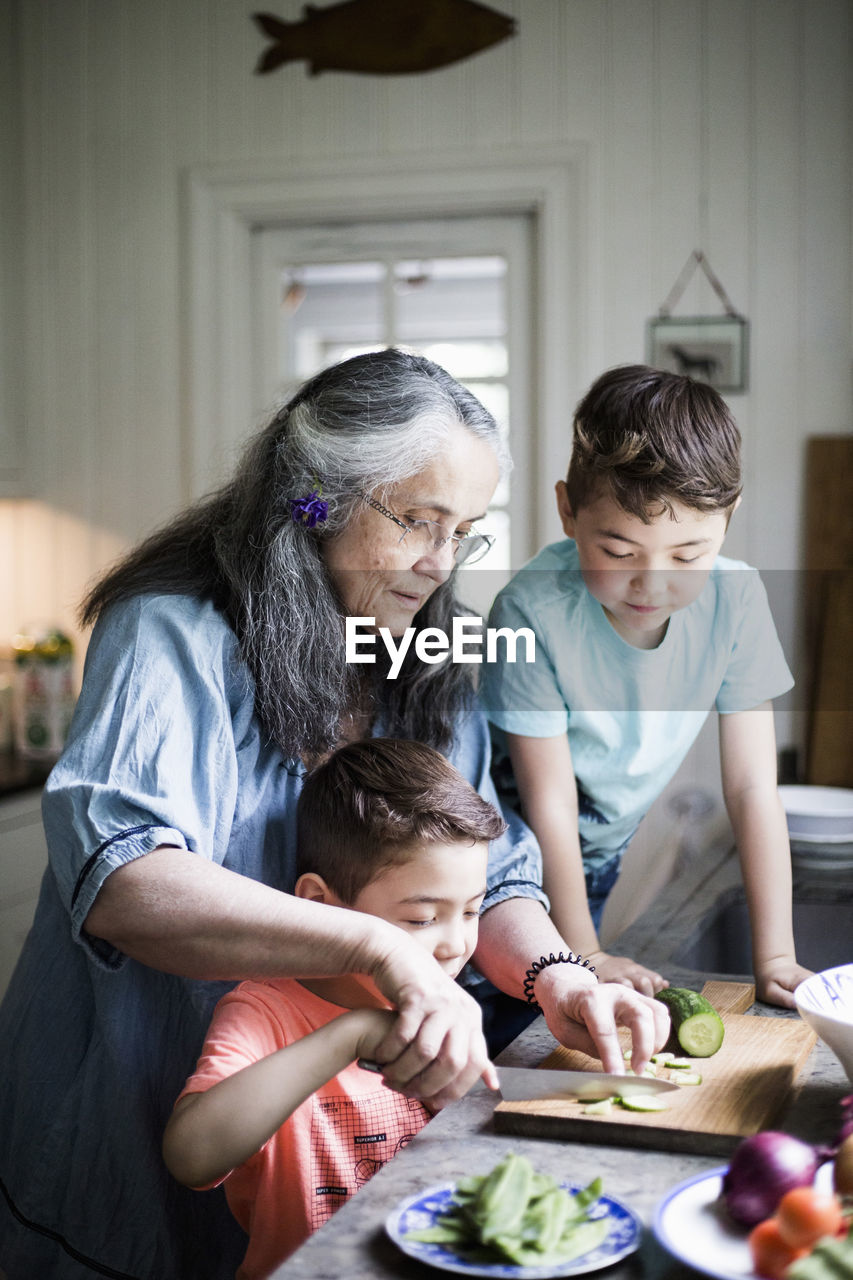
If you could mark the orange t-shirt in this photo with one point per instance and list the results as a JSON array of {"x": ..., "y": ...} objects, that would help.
[{"x": 326, "y": 1150}]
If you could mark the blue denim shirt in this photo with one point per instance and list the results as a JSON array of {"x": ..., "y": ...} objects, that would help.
[{"x": 165, "y": 748}]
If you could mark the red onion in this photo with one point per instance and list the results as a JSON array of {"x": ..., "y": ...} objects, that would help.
[
  {"x": 762, "y": 1169},
  {"x": 846, "y": 1118}
]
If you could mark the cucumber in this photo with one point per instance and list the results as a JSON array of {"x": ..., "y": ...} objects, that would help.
[
  {"x": 697, "y": 1028},
  {"x": 688, "y": 1077},
  {"x": 601, "y": 1108},
  {"x": 641, "y": 1102}
]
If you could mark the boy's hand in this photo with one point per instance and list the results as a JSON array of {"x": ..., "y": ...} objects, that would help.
[
  {"x": 586, "y": 1017},
  {"x": 776, "y": 980},
  {"x": 628, "y": 972},
  {"x": 371, "y": 1026}
]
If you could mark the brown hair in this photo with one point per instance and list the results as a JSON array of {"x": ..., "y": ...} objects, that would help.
[
  {"x": 370, "y": 802},
  {"x": 652, "y": 439}
]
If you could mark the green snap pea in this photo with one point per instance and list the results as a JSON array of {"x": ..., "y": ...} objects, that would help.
[{"x": 513, "y": 1214}]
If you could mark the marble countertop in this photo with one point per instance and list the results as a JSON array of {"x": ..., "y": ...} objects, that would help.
[{"x": 461, "y": 1139}]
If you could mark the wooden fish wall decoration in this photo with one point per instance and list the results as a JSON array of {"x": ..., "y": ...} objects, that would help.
[{"x": 382, "y": 37}]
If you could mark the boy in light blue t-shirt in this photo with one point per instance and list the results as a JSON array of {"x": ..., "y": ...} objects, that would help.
[{"x": 641, "y": 628}]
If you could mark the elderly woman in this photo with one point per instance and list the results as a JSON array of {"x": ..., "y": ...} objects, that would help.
[{"x": 216, "y": 674}]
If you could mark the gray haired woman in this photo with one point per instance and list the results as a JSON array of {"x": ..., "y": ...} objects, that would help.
[{"x": 216, "y": 674}]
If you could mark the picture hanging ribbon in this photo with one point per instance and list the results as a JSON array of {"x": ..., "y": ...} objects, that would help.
[{"x": 697, "y": 259}]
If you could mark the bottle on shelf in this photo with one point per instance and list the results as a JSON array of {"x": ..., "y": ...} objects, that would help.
[{"x": 44, "y": 696}]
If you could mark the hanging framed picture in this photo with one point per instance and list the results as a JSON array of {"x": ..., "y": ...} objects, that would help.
[{"x": 712, "y": 349}]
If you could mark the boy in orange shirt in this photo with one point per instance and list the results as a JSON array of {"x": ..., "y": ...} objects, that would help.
[{"x": 278, "y": 1108}]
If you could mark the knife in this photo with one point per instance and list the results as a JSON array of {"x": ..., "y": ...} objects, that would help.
[{"x": 521, "y": 1085}]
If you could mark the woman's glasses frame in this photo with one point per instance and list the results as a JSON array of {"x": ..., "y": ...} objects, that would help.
[{"x": 467, "y": 547}]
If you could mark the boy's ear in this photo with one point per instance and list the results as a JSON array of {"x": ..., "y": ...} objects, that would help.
[
  {"x": 315, "y": 889},
  {"x": 567, "y": 518},
  {"x": 733, "y": 508}
]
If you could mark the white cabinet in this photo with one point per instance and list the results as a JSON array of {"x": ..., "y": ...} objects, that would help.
[{"x": 23, "y": 858}]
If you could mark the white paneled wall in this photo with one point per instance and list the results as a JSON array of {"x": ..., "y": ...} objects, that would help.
[
  {"x": 717, "y": 124},
  {"x": 721, "y": 124}
]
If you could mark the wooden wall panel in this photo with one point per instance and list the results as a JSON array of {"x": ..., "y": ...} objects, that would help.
[
  {"x": 12, "y": 477},
  {"x": 629, "y": 211},
  {"x": 775, "y": 301},
  {"x": 826, "y": 130}
]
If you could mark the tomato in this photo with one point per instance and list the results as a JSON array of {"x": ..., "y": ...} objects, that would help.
[
  {"x": 805, "y": 1214},
  {"x": 771, "y": 1256}
]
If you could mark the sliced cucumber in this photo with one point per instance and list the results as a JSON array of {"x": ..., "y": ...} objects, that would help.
[
  {"x": 680, "y": 1064},
  {"x": 697, "y": 1028},
  {"x": 688, "y": 1077},
  {"x": 601, "y": 1108},
  {"x": 641, "y": 1102},
  {"x": 662, "y": 1059}
]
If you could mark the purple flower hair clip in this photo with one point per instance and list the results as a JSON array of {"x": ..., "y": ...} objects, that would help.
[{"x": 311, "y": 510}]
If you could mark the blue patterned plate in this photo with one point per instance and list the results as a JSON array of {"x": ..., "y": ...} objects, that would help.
[{"x": 422, "y": 1210}]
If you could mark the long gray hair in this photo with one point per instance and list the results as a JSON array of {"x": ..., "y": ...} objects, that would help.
[{"x": 360, "y": 427}]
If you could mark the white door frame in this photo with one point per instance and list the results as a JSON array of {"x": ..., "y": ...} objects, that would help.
[{"x": 223, "y": 205}]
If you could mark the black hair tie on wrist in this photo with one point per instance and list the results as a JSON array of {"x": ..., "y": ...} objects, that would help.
[{"x": 543, "y": 963}]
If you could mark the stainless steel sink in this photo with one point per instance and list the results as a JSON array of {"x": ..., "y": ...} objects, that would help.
[{"x": 823, "y": 932}]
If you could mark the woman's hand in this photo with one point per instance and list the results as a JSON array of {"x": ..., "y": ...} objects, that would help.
[
  {"x": 580, "y": 1011},
  {"x": 584, "y": 1014},
  {"x": 628, "y": 972},
  {"x": 435, "y": 1050}
]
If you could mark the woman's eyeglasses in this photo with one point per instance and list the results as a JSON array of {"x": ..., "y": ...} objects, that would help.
[{"x": 425, "y": 536}]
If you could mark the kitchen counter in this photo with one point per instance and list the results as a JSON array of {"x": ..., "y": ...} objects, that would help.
[{"x": 461, "y": 1140}]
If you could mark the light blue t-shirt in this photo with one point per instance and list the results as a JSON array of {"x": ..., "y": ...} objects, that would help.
[
  {"x": 631, "y": 714},
  {"x": 165, "y": 749}
]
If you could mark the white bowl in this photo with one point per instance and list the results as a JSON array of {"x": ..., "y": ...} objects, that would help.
[
  {"x": 820, "y": 814},
  {"x": 825, "y": 1002}
]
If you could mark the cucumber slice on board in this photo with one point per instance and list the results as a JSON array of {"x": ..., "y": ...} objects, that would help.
[
  {"x": 697, "y": 1028},
  {"x": 601, "y": 1108},
  {"x": 642, "y": 1102}
]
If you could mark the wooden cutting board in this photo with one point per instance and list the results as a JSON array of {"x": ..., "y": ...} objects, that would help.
[{"x": 745, "y": 1086}]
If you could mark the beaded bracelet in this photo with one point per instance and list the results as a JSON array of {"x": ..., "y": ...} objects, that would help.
[{"x": 542, "y": 963}]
